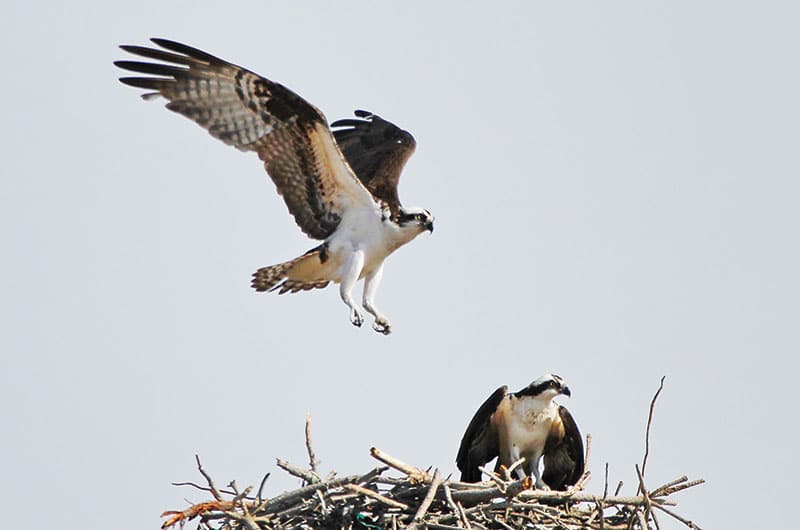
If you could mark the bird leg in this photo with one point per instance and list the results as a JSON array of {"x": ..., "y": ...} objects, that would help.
[
  {"x": 371, "y": 283},
  {"x": 514, "y": 457},
  {"x": 352, "y": 271},
  {"x": 539, "y": 484}
]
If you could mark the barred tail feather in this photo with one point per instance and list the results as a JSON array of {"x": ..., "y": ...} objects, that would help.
[
  {"x": 268, "y": 278},
  {"x": 293, "y": 286},
  {"x": 300, "y": 274}
]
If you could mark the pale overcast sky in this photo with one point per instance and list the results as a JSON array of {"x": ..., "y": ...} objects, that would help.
[{"x": 615, "y": 186}]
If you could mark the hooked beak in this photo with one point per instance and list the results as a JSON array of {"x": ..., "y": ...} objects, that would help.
[
  {"x": 566, "y": 391},
  {"x": 429, "y": 226}
]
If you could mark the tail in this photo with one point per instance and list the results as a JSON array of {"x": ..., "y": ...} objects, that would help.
[{"x": 300, "y": 274}]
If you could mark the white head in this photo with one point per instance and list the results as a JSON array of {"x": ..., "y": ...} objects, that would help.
[
  {"x": 410, "y": 223},
  {"x": 416, "y": 218},
  {"x": 546, "y": 387}
]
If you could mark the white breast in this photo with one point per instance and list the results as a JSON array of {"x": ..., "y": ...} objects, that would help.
[
  {"x": 523, "y": 427},
  {"x": 368, "y": 230},
  {"x": 531, "y": 421}
]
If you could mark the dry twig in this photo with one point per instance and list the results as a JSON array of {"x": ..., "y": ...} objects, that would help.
[
  {"x": 413, "y": 473},
  {"x": 649, "y": 422},
  {"x": 313, "y": 463},
  {"x": 416, "y": 499}
]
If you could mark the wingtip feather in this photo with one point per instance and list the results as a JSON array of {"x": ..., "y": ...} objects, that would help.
[
  {"x": 185, "y": 49},
  {"x": 152, "y": 83}
]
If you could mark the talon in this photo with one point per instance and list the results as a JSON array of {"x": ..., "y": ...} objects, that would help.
[
  {"x": 356, "y": 318},
  {"x": 382, "y": 326},
  {"x": 527, "y": 483}
]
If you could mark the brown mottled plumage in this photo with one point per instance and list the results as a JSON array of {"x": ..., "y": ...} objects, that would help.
[
  {"x": 525, "y": 424},
  {"x": 322, "y": 184},
  {"x": 299, "y": 274},
  {"x": 251, "y": 113}
]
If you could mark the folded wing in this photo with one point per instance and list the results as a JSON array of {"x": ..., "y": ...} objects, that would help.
[
  {"x": 563, "y": 462},
  {"x": 479, "y": 444}
]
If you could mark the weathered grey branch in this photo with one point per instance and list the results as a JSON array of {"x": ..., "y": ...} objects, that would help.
[
  {"x": 375, "y": 495},
  {"x": 587, "y": 475},
  {"x": 414, "y": 473},
  {"x": 679, "y": 487},
  {"x": 494, "y": 477},
  {"x": 687, "y": 522},
  {"x": 426, "y": 502},
  {"x": 287, "y": 499},
  {"x": 313, "y": 463},
  {"x": 484, "y": 494},
  {"x": 510, "y": 469},
  {"x": 457, "y": 508},
  {"x": 648, "y": 502},
  {"x": 307, "y": 476}
]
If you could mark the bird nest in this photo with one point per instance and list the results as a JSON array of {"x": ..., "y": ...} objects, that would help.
[{"x": 380, "y": 499}]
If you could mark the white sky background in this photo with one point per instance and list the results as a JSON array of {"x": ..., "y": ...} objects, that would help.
[{"x": 615, "y": 186}]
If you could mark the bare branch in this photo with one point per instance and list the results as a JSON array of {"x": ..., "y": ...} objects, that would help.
[
  {"x": 214, "y": 490},
  {"x": 457, "y": 508},
  {"x": 484, "y": 494},
  {"x": 308, "y": 476},
  {"x": 494, "y": 477},
  {"x": 687, "y": 522},
  {"x": 587, "y": 475},
  {"x": 649, "y": 422},
  {"x": 313, "y": 463},
  {"x": 414, "y": 473},
  {"x": 426, "y": 502},
  {"x": 377, "y": 496},
  {"x": 510, "y": 469},
  {"x": 647, "y": 501},
  {"x": 261, "y": 487}
]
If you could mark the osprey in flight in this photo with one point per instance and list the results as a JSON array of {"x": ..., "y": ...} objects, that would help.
[
  {"x": 525, "y": 424},
  {"x": 340, "y": 185}
]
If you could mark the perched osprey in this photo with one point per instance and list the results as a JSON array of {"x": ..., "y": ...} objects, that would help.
[
  {"x": 340, "y": 186},
  {"x": 525, "y": 424}
]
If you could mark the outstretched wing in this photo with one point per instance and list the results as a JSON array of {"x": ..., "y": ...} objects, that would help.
[
  {"x": 563, "y": 462},
  {"x": 480, "y": 442},
  {"x": 252, "y": 113},
  {"x": 377, "y": 150}
]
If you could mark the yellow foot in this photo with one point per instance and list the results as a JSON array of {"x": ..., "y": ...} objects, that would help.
[{"x": 527, "y": 483}]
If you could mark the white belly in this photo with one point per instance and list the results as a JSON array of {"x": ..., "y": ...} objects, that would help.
[
  {"x": 530, "y": 433},
  {"x": 527, "y": 424},
  {"x": 363, "y": 230}
]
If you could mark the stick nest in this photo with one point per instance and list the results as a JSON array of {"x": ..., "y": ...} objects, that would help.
[{"x": 419, "y": 499}]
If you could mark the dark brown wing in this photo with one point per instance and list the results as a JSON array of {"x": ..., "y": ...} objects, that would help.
[
  {"x": 563, "y": 461},
  {"x": 480, "y": 443},
  {"x": 377, "y": 150},
  {"x": 252, "y": 113}
]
